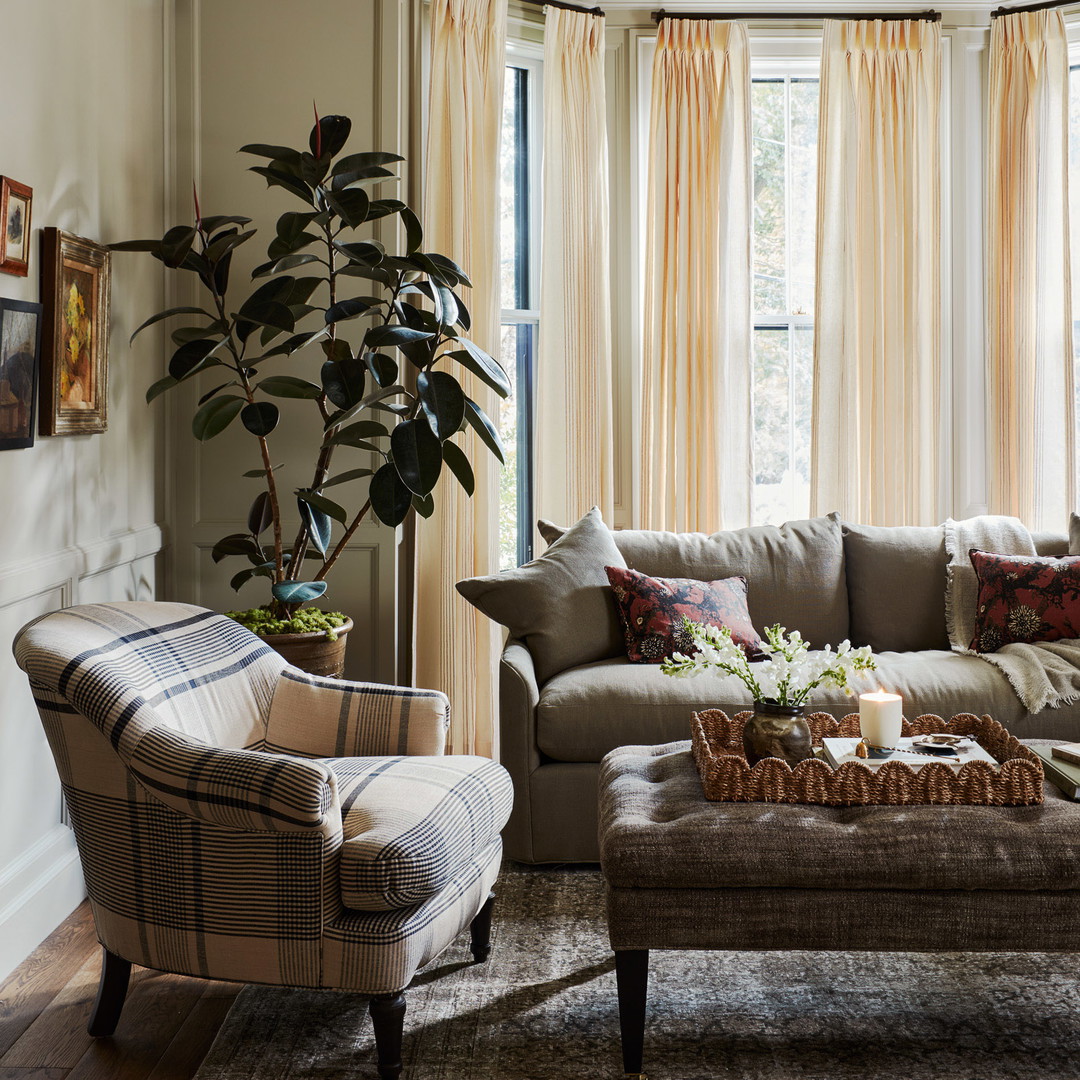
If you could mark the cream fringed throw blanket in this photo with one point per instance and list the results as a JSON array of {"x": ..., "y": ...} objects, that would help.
[{"x": 1042, "y": 675}]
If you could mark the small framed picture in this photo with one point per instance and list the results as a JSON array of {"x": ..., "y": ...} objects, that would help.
[
  {"x": 75, "y": 334},
  {"x": 20, "y": 353},
  {"x": 15, "y": 200}
]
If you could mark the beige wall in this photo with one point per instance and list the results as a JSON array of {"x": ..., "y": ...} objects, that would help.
[
  {"x": 81, "y": 116},
  {"x": 248, "y": 71}
]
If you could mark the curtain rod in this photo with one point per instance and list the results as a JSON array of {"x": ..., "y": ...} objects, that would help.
[
  {"x": 1031, "y": 7},
  {"x": 565, "y": 6},
  {"x": 791, "y": 16}
]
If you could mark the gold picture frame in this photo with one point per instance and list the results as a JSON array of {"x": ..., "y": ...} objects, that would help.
[
  {"x": 15, "y": 204},
  {"x": 75, "y": 335}
]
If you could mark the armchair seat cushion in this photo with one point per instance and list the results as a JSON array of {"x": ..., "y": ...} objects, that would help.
[{"x": 410, "y": 823}]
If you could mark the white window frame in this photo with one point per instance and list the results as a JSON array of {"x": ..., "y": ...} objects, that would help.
[
  {"x": 529, "y": 57},
  {"x": 769, "y": 68}
]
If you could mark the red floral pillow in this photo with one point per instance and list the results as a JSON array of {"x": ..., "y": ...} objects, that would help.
[
  {"x": 1025, "y": 598},
  {"x": 651, "y": 611}
]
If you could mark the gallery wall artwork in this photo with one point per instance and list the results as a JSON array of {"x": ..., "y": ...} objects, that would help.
[
  {"x": 20, "y": 352},
  {"x": 15, "y": 200},
  {"x": 75, "y": 338}
]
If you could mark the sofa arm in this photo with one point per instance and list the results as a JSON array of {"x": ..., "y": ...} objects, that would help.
[
  {"x": 321, "y": 717},
  {"x": 246, "y": 790},
  {"x": 519, "y": 696}
]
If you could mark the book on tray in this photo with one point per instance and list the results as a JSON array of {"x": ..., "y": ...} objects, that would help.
[
  {"x": 838, "y": 751},
  {"x": 1062, "y": 774},
  {"x": 1069, "y": 752}
]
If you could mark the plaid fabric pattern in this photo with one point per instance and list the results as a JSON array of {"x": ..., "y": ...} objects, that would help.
[
  {"x": 378, "y": 952},
  {"x": 241, "y": 789},
  {"x": 321, "y": 717},
  {"x": 410, "y": 824},
  {"x": 204, "y": 852}
]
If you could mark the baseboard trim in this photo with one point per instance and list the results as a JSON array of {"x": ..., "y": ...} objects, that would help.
[{"x": 38, "y": 890}]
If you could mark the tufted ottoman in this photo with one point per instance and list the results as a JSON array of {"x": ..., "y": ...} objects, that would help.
[{"x": 684, "y": 873}]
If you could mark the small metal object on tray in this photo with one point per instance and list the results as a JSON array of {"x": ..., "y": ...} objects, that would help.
[{"x": 1017, "y": 779}]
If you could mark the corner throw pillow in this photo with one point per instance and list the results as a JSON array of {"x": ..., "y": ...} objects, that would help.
[
  {"x": 651, "y": 611},
  {"x": 558, "y": 604},
  {"x": 1025, "y": 598}
]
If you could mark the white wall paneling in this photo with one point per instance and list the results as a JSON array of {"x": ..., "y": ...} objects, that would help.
[
  {"x": 81, "y": 513},
  {"x": 352, "y": 59}
]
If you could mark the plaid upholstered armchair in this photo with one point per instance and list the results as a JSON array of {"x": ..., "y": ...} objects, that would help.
[{"x": 238, "y": 819}]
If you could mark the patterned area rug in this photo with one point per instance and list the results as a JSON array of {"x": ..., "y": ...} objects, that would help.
[{"x": 544, "y": 1006}]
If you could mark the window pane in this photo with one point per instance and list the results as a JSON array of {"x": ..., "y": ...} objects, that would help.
[
  {"x": 770, "y": 252},
  {"x": 515, "y": 496},
  {"x": 802, "y": 392},
  {"x": 783, "y": 382},
  {"x": 772, "y": 424},
  {"x": 514, "y": 154},
  {"x": 802, "y": 170}
]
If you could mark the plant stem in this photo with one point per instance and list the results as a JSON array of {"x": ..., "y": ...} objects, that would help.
[
  {"x": 322, "y": 464},
  {"x": 333, "y": 556},
  {"x": 271, "y": 485}
]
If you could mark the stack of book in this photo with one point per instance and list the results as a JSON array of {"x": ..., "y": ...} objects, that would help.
[
  {"x": 838, "y": 751},
  {"x": 1061, "y": 764}
]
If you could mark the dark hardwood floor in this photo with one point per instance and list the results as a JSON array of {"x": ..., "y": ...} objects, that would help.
[{"x": 167, "y": 1026}]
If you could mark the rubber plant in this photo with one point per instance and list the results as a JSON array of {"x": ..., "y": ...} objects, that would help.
[{"x": 397, "y": 395}]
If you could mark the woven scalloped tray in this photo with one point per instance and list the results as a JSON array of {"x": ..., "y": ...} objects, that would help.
[{"x": 726, "y": 776}]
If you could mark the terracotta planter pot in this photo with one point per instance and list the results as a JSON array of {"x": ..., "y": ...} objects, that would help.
[{"x": 313, "y": 652}]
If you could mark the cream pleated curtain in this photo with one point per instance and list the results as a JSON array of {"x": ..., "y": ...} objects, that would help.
[
  {"x": 696, "y": 470},
  {"x": 574, "y": 441},
  {"x": 455, "y": 648},
  {"x": 876, "y": 442},
  {"x": 1030, "y": 432}
]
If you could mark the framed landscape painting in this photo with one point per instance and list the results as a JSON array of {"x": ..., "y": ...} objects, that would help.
[
  {"x": 20, "y": 352},
  {"x": 75, "y": 334},
  {"x": 15, "y": 199}
]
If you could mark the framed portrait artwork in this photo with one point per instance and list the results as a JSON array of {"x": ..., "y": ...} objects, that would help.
[
  {"x": 20, "y": 353},
  {"x": 15, "y": 200},
  {"x": 75, "y": 335}
]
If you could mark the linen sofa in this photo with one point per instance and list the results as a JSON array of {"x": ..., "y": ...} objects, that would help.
[{"x": 883, "y": 587}]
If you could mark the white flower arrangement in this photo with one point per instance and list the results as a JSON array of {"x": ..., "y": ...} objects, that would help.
[{"x": 787, "y": 675}]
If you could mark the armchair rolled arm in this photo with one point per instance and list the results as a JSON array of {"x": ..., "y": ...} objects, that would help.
[
  {"x": 239, "y": 789},
  {"x": 323, "y": 717}
]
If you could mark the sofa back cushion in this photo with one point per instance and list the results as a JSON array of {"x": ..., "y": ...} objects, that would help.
[
  {"x": 896, "y": 586},
  {"x": 794, "y": 572}
]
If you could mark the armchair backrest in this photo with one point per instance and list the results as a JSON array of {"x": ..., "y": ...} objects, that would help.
[
  {"x": 129, "y": 667},
  {"x": 152, "y": 711}
]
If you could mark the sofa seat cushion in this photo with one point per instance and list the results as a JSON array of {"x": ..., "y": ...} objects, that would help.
[
  {"x": 587, "y": 711},
  {"x": 410, "y": 823},
  {"x": 653, "y": 819}
]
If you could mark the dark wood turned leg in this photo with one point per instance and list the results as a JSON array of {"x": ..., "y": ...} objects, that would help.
[
  {"x": 388, "y": 1019},
  {"x": 112, "y": 990},
  {"x": 480, "y": 931},
  {"x": 632, "y": 979}
]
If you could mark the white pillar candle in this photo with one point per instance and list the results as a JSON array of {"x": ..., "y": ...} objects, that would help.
[{"x": 880, "y": 718}]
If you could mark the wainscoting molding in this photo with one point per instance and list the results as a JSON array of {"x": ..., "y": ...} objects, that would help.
[{"x": 40, "y": 878}]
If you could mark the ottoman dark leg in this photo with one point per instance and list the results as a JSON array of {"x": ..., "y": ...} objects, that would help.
[
  {"x": 388, "y": 1020},
  {"x": 632, "y": 978}
]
